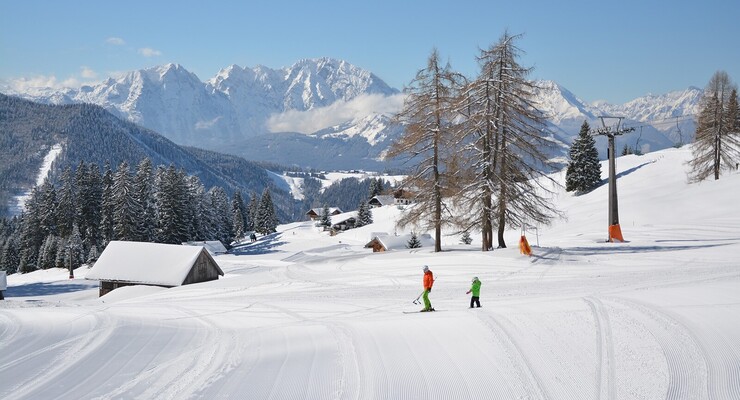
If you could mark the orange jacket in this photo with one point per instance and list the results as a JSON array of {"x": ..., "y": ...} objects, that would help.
[{"x": 428, "y": 280}]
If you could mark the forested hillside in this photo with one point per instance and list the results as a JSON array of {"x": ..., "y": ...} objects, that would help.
[{"x": 90, "y": 134}]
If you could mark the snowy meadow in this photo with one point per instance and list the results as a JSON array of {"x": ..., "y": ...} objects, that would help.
[{"x": 303, "y": 315}]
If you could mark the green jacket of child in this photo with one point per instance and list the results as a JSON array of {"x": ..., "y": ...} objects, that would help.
[{"x": 475, "y": 288}]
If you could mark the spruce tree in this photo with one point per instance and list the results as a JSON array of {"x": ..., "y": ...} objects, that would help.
[
  {"x": 106, "y": 206},
  {"x": 325, "y": 220},
  {"x": 74, "y": 257},
  {"x": 364, "y": 215},
  {"x": 252, "y": 210},
  {"x": 143, "y": 188},
  {"x": 584, "y": 169},
  {"x": 172, "y": 222},
  {"x": 48, "y": 208},
  {"x": 238, "y": 211},
  {"x": 222, "y": 212},
  {"x": 413, "y": 242},
  {"x": 66, "y": 204},
  {"x": 10, "y": 257},
  {"x": 266, "y": 221},
  {"x": 465, "y": 238},
  {"x": 90, "y": 206},
  {"x": 124, "y": 208}
]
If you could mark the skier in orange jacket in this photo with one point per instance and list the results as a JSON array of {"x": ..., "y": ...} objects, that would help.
[{"x": 428, "y": 282}]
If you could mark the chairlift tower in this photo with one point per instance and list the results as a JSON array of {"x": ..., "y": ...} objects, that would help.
[{"x": 615, "y": 232}]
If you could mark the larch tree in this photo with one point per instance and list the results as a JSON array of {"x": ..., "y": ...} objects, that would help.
[
  {"x": 428, "y": 117},
  {"x": 510, "y": 143},
  {"x": 584, "y": 169},
  {"x": 717, "y": 142}
]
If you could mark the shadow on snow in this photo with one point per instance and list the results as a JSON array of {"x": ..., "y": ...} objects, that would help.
[
  {"x": 46, "y": 288},
  {"x": 264, "y": 245}
]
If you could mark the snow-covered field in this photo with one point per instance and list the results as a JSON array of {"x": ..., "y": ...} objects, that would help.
[{"x": 303, "y": 315}]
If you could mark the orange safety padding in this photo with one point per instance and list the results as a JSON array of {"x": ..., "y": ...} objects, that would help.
[
  {"x": 524, "y": 246},
  {"x": 615, "y": 233}
]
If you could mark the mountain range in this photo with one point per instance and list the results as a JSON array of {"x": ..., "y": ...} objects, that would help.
[{"x": 236, "y": 112}]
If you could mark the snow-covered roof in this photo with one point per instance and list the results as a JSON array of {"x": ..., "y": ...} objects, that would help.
[
  {"x": 339, "y": 218},
  {"x": 213, "y": 246},
  {"x": 320, "y": 211},
  {"x": 400, "y": 242},
  {"x": 146, "y": 263},
  {"x": 383, "y": 199}
]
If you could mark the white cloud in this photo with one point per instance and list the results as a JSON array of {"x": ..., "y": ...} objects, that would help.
[
  {"x": 149, "y": 52},
  {"x": 115, "y": 41},
  {"x": 88, "y": 73},
  {"x": 207, "y": 124},
  {"x": 341, "y": 111},
  {"x": 26, "y": 84}
]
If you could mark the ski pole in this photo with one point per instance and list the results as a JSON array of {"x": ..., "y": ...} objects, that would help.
[{"x": 416, "y": 301}]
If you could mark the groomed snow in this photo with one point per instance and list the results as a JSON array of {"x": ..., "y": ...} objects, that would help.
[{"x": 303, "y": 315}]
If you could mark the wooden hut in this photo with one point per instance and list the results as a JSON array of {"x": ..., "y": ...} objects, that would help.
[
  {"x": 316, "y": 213},
  {"x": 154, "y": 264}
]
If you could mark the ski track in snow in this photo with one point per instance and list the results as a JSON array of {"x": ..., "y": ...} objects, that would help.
[
  {"x": 606, "y": 367},
  {"x": 685, "y": 358}
]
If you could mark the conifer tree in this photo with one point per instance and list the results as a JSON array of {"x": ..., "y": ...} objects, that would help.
[
  {"x": 73, "y": 247},
  {"x": 325, "y": 220},
  {"x": 172, "y": 222},
  {"x": 222, "y": 211},
  {"x": 124, "y": 207},
  {"x": 48, "y": 208},
  {"x": 10, "y": 257},
  {"x": 716, "y": 146},
  {"x": 428, "y": 114},
  {"x": 48, "y": 252},
  {"x": 32, "y": 235},
  {"x": 465, "y": 238},
  {"x": 66, "y": 205},
  {"x": 252, "y": 210},
  {"x": 238, "y": 211},
  {"x": 197, "y": 205},
  {"x": 143, "y": 188},
  {"x": 266, "y": 221},
  {"x": 90, "y": 206},
  {"x": 413, "y": 242},
  {"x": 364, "y": 215},
  {"x": 106, "y": 206},
  {"x": 584, "y": 169}
]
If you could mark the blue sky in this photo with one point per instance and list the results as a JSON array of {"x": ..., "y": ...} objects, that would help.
[{"x": 612, "y": 51}]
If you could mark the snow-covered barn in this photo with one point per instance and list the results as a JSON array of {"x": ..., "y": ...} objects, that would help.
[
  {"x": 154, "y": 264},
  {"x": 385, "y": 242},
  {"x": 215, "y": 247}
]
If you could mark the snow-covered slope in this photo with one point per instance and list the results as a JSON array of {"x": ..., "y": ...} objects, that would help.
[{"x": 301, "y": 314}]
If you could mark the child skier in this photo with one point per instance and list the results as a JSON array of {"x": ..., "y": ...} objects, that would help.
[
  {"x": 475, "y": 288},
  {"x": 428, "y": 282}
]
